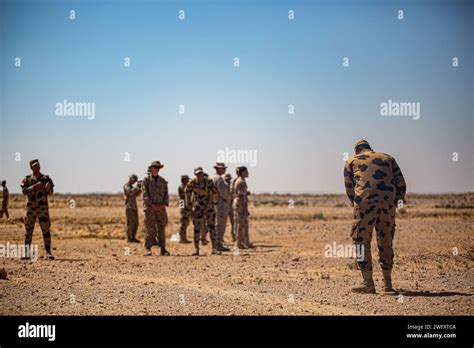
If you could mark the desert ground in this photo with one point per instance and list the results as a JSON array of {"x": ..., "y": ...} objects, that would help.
[{"x": 96, "y": 272}]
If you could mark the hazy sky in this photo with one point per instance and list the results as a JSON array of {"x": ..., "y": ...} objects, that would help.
[{"x": 190, "y": 62}]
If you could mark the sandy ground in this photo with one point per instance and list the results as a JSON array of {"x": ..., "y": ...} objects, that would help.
[{"x": 97, "y": 273}]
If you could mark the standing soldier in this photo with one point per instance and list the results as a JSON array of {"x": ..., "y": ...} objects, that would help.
[
  {"x": 131, "y": 211},
  {"x": 374, "y": 184},
  {"x": 37, "y": 187},
  {"x": 5, "y": 197},
  {"x": 228, "y": 180},
  {"x": 204, "y": 231},
  {"x": 155, "y": 201},
  {"x": 203, "y": 195},
  {"x": 241, "y": 210},
  {"x": 184, "y": 209},
  {"x": 222, "y": 207}
]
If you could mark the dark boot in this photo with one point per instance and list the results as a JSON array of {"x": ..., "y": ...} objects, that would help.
[
  {"x": 164, "y": 252},
  {"x": 184, "y": 240},
  {"x": 49, "y": 256},
  {"x": 368, "y": 286},
  {"x": 27, "y": 252}
]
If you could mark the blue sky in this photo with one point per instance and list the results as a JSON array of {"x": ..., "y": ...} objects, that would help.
[{"x": 190, "y": 62}]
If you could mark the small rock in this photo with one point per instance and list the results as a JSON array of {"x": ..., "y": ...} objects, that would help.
[{"x": 3, "y": 274}]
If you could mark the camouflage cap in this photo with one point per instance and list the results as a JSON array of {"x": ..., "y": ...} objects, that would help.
[
  {"x": 198, "y": 170},
  {"x": 34, "y": 162},
  {"x": 228, "y": 176},
  {"x": 220, "y": 165},
  {"x": 156, "y": 164},
  {"x": 362, "y": 143},
  {"x": 133, "y": 176},
  {"x": 184, "y": 177}
]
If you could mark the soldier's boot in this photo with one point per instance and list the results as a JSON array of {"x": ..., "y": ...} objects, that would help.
[
  {"x": 196, "y": 245},
  {"x": 387, "y": 282},
  {"x": 215, "y": 248},
  {"x": 164, "y": 252},
  {"x": 148, "y": 251},
  {"x": 49, "y": 256},
  {"x": 368, "y": 286}
]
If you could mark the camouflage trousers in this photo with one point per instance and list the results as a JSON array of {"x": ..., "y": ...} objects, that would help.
[
  {"x": 132, "y": 223},
  {"x": 155, "y": 224},
  {"x": 382, "y": 217},
  {"x": 204, "y": 217},
  {"x": 185, "y": 218},
  {"x": 222, "y": 211},
  {"x": 4, "y": 210},
  {"x": 241, "y": 220},
  {"x": 42, "y": 215}
]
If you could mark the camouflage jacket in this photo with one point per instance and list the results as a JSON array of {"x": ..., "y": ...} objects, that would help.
[
  {"x": 201, "y": 194},
  {"x": 241, "y": 196},
  {"x": 223, "y": 193},
  {"x": 39, "y": 197},
  {"x": 184, "y": 202},
  {"x": 155, "y": 191},
  {"x": 130, "y": 194},
  {"x": 373, "y": 177}
]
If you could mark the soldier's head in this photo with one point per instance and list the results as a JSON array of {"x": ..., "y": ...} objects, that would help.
[
  {"x": 132, "y": 179},
  {"x": 155, "y": 167},
  {"x": 199, "y": 173},
  {"x": 361, "y": 145},
  {"x": 220, "y": 168},
  {"x": 243, "y": 172},
  {"x": 4, "y": 183},
  {"x": 184, "y": 179},
  {"x": 35, "y": 166},
  {"x": 228, "y": 178}
]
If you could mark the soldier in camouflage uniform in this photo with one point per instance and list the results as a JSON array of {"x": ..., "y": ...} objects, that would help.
[
  {"x": 222, "y": 207},
  {"x": 241, "y": 210},
  {"x": 184, "y": 209},
  {"x": 155, "y": 201},
  {"x": 374, "y": 184},
  {"x": 228, "y": 180},
  {"x": 37, "y": 187},
  {"x": 203, "y": 197},
  {"x": 204, "y": 231},
  {"x": 131, "y": 210},
  {"x": 5, "y": 198}
]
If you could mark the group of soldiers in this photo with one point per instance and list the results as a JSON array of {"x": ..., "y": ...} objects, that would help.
[
  {"x": 373, "y": 180},
  {"x": 207, "y": 202}
]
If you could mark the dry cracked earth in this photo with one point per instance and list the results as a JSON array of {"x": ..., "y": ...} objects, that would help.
[{"x": 97, "y": 273}]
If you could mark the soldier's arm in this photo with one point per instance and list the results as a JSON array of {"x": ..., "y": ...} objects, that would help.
[
  {"x": 28, "y": 190},
  {"x": 222, "y": 188},
  {"x": 146, "y": 194},
  {"x": 51, "y": 186},
  {"x": 349, "y": 181},
  {"x": 166, "y": 198},
  {"x": 213, "y": 189},
  {"x": 398, "y": 181}
]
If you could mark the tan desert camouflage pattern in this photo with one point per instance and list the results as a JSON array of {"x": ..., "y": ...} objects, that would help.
[
  {"x": 222, "y": 208},
  {"x": 37, "y": 208},
  {"x": 203, "y": 197},
  {"x": 241, "y": 213},
  {"x": 374, "y": 183},
  {"x": 131, "y": 210},
  {"x": 184, "y": 211}
]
